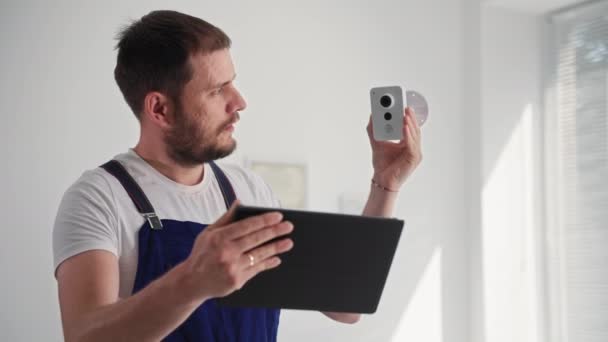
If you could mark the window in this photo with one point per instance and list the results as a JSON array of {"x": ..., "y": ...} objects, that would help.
[{"x": 576, "y": 150}]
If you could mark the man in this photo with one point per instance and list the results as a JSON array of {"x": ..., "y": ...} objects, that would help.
[{"x": 134, "y": 257}]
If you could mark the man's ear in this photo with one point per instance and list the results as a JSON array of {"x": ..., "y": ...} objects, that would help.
[{"x": 158, "y": 109}]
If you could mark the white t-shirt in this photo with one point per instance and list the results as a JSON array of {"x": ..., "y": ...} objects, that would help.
[{"x": 97, "y": 213}]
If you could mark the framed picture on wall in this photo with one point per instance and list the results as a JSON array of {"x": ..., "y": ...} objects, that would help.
[{"x": 287, "y": 180}]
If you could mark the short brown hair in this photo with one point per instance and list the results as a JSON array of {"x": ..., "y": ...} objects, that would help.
[{"x": 153, "y": 54}]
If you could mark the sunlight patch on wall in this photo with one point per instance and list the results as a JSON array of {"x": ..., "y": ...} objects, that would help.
[
  {"x": 508, "y": 240},
  {"x": 422, "y": 319}
]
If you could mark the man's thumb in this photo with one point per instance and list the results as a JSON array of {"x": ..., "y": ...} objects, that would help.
[{"x": 228, "y": 216}]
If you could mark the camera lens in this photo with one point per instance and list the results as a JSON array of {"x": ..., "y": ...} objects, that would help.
[
  {"x": 388, "y": 116},
  {"x": 386, "y": 101}
]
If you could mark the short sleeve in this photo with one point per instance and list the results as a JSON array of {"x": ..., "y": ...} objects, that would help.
[{"x": 85, "y": 219}]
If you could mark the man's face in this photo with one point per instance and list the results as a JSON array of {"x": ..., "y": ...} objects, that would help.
[{"x": 206, "y": 113}]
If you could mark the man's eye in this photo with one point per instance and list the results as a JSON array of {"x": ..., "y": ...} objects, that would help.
[{"x": 218, "y": 91}]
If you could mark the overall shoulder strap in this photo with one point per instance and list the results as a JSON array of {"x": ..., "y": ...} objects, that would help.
[
  {"x": 225, "y": 186},
  {"x": 116, "y": 169}
]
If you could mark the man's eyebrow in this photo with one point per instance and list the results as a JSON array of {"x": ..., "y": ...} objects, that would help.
[{"x": 219, "y": 85}]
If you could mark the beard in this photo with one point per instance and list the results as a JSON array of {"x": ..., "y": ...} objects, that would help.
[{"x": 189, "y": 143}]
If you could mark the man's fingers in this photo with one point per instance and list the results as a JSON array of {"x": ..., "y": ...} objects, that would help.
[
  {"x": 370, "y": 130},
  {"x": 252, "y": 224},
  {"x": 262, "y": 236},
  {"x": 416, "y": 124},
  {"x": 409, "y": 137},
  {"x": 268, "y": 251},
  {"x": 409, "y": 125},
  {"x": 262, "y": 266}
]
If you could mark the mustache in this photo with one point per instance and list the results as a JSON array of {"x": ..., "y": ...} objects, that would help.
[{"x": 232, "y": 121}]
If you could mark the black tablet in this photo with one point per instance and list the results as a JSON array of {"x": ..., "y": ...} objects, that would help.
[{"x": 338, "y": 263}]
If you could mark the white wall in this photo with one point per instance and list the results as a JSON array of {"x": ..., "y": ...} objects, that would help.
[
  {"x": 472, "y": 100},
  {"x": 536, "y": 7},
  {"x": 505, "y": 213},
  {"x": 506, "y": 64},
  {"x": 511, "y": 137},
  {"x": 305, "y": 69}
]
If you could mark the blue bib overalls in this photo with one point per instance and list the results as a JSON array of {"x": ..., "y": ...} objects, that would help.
[{"x": 164, "y": 244}]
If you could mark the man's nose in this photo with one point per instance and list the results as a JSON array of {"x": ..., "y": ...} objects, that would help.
[{"x": 238, "y": 103}]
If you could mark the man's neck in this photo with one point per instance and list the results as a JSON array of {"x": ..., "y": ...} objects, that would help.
[{"x": 160, "y": 160}]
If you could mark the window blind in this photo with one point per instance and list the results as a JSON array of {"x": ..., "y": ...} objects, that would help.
[{"x": 580, "y": 173}]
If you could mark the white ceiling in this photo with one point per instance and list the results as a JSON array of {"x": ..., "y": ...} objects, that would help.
[{"x": 532, "y": 6}]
